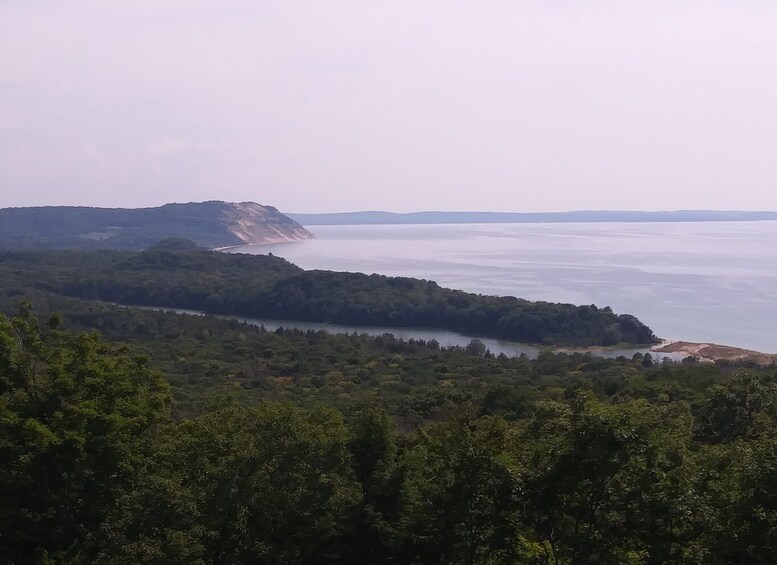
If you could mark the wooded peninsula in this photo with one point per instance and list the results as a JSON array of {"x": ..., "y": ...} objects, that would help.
[{"x": 178, "y": 275}]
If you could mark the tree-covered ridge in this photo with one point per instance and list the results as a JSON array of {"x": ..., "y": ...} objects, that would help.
[
  {"x": 266, "y": 286},
  {"x": 210, "y": 224},
  {"x": 660, "y": 463}
]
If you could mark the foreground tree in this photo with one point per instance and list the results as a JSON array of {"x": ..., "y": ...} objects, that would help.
[
  {"x": 463, "y": 491},
  {"x": 264, "y": 484},
  {"x": 76, "y": 425},
  {"x": 611, "y": 483}
]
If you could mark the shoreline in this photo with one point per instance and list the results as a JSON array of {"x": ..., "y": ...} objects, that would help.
[
  {"x": 260, "y": 243},
  {"x": 711, "y": 352},
  {"x": 703, "y": 352}
]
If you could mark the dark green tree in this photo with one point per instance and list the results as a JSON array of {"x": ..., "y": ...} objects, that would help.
[
  {"x": 610, "y": 483},
  {"x": 463, "y": 490},
  {"x": 77, "y": 422},
  {"x": 265, "y": 484}
]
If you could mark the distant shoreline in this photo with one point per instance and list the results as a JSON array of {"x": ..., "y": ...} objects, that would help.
[{"x": 582, "y": 216}]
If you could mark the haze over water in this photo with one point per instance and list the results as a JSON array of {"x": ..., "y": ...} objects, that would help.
[{"x": 714, "y": 282}]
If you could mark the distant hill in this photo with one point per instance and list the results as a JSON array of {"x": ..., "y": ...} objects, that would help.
[
  {"x": 367, "y": 218},
  {"x": 207, "y": 224}
]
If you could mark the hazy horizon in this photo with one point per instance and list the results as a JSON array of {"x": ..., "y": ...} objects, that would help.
[
  {"x": 342, "y": 106},
  {"x": 409, "y": 212},
  {"x": 587, "y": 210}
]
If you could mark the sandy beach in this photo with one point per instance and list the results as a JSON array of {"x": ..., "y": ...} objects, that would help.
[{"x": 711, "y": 352}]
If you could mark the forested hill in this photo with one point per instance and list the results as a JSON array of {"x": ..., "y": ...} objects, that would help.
[
  {"x": 209, "y": 224},
  {"x": 270, "y": 287}
]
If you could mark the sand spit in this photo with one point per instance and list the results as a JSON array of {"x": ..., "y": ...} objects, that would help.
[{"x": 711, "y": 352}]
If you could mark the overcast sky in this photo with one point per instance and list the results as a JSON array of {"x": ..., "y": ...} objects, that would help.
[{"x": 398, "y": 105}]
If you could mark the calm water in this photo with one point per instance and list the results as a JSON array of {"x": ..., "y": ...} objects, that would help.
[
  {"x": 443, "y": 337},
  {"x": 694, "y": 281}
]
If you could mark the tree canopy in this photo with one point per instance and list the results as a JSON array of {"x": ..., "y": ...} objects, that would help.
[
  {"x": 567, "y": 459},
  {"x": 270, "y": 287}
]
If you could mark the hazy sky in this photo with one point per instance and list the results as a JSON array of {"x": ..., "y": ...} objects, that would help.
[{"x": 400, "y": 105}]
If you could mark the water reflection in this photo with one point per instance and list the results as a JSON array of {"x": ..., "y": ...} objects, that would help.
[
  {"x": 705, "y": 282},
  {"x": 443, "y": 337}
]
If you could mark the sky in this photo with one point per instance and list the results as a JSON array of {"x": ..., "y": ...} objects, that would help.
[{"x": 331, "y": 105}]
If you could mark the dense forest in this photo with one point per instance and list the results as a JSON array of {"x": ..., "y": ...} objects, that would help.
[
  {"x": 191, "y": 439},
  {"x": 270, "y": 287},
  {"x": 132, "y": 435}
]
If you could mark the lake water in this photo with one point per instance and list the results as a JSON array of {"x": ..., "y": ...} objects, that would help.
[
  {"x": 443, "y": 337},
  {"x": 713, "y": 281}
]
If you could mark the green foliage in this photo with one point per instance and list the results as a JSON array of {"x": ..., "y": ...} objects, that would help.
[
  {"x": 601, "y": 478},
  {"x": 76, "y": 422},
  {"x": 463, "y": 493},
  {"x": 269, "y": 287},
  {"x": 743, "y": 528},
  {"x": 266, "y": 484},
  {"x": 304, "y": 447},
  {"x": 743, "y": 407}
]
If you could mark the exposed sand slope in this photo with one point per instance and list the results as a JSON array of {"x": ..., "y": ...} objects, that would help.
[
  {"x": 254, "y": 224},
  {"x": 714, "y": 352}
]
